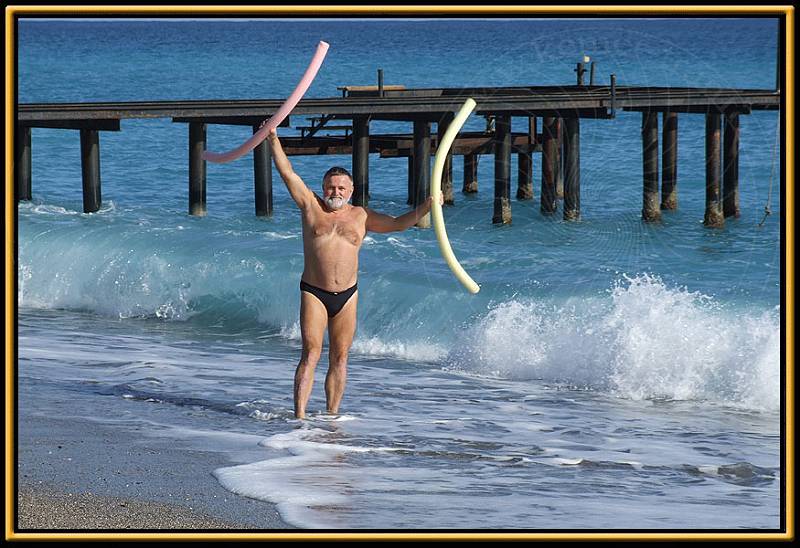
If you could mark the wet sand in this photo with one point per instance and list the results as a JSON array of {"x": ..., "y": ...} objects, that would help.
[{"x": 80, "y": 475}]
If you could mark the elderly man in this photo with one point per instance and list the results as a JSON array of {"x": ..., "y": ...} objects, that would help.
[{"x": 333, "y": 231}]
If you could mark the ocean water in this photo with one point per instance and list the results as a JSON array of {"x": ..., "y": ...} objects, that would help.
[{"x": 609, "y": 374}]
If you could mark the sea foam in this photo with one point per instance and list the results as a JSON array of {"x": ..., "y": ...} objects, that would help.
[{"x": 644, "y": 341}]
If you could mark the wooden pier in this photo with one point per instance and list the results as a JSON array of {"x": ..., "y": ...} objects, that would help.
[{"x": 557, "y": 138}]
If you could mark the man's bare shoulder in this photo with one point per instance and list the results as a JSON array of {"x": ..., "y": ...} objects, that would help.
[{"x": 361, "y": 211}]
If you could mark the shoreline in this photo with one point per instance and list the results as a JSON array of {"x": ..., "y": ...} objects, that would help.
[{"x": 76, "y": 473}]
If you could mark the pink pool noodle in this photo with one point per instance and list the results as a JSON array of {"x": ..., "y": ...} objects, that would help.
[{"x": 278, "y": 117}]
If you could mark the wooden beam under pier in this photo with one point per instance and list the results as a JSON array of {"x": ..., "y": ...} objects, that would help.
[
  {"x": 99, "y": 125},
  {"x": 713, "y": 216},
  {"x": 669, "y": 161},
  {"x": 422, "y": 167},
  {"x": 22, "y": 162},
  {"x": 560, "y": 157},
  {"x": 470, "y": 174},
  {"x": 572, "y": 169},
  {"x": 197, "y": 169},
  {"x": 730, "y": 173},
  {"x": 447, "y": 170},
  {"x": 262, "y": 171},
  {"x": 525, "y": 165},
  {"x": 90, "y": 169},
  {"x": 360, "y": 161},
  {"x": 549, "y": 159},
  {"x": 502, "y": 171},
  {"x": 462, "y": 146},
  {"x": 651, "y": 209}
]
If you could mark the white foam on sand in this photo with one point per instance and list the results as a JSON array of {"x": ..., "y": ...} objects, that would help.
[{"x": 308, "y": 480}]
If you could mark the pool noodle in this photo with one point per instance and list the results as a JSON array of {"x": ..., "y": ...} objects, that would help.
[
  {"x": 278, "y": 117},
  {"x": 436, "y": 192}
]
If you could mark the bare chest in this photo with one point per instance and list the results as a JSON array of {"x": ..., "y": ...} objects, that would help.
[{"x": 321, "y": 227}]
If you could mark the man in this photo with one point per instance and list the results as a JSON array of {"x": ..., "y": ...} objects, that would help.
[{"x": 333, "y": 231}]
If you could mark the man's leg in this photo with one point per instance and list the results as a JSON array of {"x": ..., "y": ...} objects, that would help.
[
  {"x": 313, "y": 319},
  {"x": 341, "y": 329}
]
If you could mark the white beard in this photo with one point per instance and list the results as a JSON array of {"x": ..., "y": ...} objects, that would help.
[{"x": 335, "y": 202}]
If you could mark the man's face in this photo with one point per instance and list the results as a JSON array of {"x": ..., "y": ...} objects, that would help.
[{"x": 336, "y": 191}]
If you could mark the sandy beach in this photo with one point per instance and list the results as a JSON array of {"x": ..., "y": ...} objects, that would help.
[
  {"x": 45, "y": 507},
  {"x": 76, "y": 475}
]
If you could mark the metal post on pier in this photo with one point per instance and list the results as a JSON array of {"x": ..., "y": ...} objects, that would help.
[
  {"x": 22, "y": 162},
  {"x": 549, "y": 160},
  {"x": 713, "y": 216},
  {"x": 447, "y": 172},
  {"x": 90, "y": 169},
  {"x": 422, "y": 167},
  {"x": 580, "y": 72},
  {"x": 262, "y": 170},
  {"x": 669, "y": 161},
  {"x": 651, "y": 210},
  {"x": 730, "y": 178},
  {"x": 197, "y": 169},
  {"x": 572, "y": 169},
  {"x": 502, "y": 169},
  {"x": 361, "y": 161}
]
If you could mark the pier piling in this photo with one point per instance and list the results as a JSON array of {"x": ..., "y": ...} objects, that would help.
[
  {"x": 713, "y": 216},
  {"x": 669, "y": 161},
  {"x": 447, "y": 172},
  {"x": 559, "y": 165},
  {"x": 502, "y": 170},
  {"x": 411, "y": 186},
  {"x": 730, "y": 178},
  {"x": 22, "y": 162},
  {"x": 524, "y": 176},
  {"x": 651, "y": 210},
  {"x": 572, "y": 173},
  {"x": 262, "y": 171},
  {"x": 525, "y": 165},
  {"x": 90, "y": 169},
  {"x": 197, "y": 169},
  {"x": 470, "y": 174},
  {"x": 422, "y": 167},
  {"x": 361, "y": 161},
  {"x": 549, "y": 160}
]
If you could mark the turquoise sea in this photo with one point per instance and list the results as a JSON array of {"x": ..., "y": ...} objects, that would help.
[{"x": 610, "y": 374}]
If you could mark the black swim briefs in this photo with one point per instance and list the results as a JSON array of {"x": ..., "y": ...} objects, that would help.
[{"x": 333, "y": 300}]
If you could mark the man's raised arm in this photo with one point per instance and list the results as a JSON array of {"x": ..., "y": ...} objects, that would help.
[
  {"x": 301, "y": 194},
  {"x": 380, "y": 222}
]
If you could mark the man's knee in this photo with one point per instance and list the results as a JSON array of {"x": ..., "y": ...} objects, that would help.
[
  {"x": 338, "y": 358},
  {"x": 311, "y": 355}
]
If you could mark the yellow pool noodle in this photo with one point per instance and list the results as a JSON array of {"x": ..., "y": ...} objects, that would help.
[{"x": 436, "y": 191}]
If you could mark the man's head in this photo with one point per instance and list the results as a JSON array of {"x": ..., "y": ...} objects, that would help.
[{"x": 337, "y": 187}]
